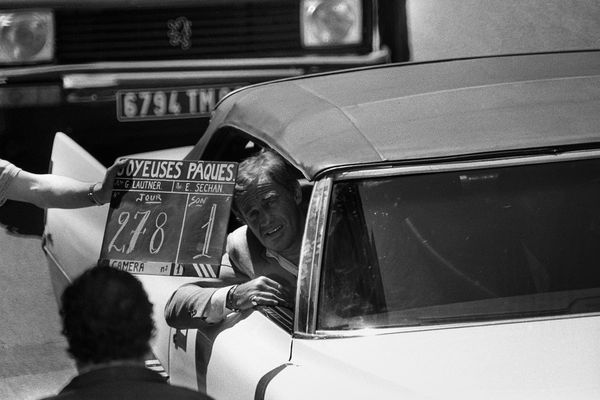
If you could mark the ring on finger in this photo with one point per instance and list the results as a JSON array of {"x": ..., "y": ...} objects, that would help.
[{"x": 253, "y": 300}]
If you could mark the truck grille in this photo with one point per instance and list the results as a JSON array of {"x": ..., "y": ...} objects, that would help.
[{"x": 229, "y": 30}]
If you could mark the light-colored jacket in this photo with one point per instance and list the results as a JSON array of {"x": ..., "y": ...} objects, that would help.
[{"x": 245, "y": 259}]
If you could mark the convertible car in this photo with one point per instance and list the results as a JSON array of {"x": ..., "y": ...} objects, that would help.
[{"x": 451, "y": 242}]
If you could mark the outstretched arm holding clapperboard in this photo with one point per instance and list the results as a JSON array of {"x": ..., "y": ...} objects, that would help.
[{"x": 51, "y": 190}]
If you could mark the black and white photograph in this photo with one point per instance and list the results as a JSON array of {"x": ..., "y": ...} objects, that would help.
[{"x": 300, "y": 199}]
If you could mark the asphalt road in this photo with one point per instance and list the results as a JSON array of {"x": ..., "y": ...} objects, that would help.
[{"x": 33, "y": 358}]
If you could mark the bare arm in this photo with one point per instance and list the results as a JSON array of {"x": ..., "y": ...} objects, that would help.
[{"x": 48, "y": 190}]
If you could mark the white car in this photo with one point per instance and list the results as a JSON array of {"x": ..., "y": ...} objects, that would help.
[{"x": 451, "y": 242}]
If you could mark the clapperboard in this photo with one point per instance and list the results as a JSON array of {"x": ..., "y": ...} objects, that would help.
[{"x": 169, "y": 217}]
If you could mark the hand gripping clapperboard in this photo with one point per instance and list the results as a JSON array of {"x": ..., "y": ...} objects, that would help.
[{"x": 169, "y": 217}]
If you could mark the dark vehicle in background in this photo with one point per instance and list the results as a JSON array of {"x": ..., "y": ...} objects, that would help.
[{"x": 129, "y": 76}]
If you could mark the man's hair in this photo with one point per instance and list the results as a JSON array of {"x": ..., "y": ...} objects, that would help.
[
  {"x": 106, "y": 316},
  {"x": 265, "y": 163}
]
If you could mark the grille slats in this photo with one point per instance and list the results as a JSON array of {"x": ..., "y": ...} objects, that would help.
[
  {"x": 149, "y": 50},
  {"x": 259, "y": 29},
  {"x": 226, "y": 33},
  {"x": 206, "y": 39},
  {"x": 100, "y": 26}
]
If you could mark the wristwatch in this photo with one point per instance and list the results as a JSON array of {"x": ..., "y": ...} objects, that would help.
[{"x": 229, "y": 300}]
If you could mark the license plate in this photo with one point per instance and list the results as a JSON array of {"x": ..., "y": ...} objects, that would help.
[{"x": 169, "y": 103}]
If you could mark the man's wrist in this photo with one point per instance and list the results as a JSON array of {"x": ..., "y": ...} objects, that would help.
[{"x": 230, "y": 301}]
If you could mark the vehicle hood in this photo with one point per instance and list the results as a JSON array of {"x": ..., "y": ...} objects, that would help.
[{"x": 543, "y": 359}]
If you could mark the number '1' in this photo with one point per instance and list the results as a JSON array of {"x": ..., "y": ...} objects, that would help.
[{"x": 209, "y": 228}]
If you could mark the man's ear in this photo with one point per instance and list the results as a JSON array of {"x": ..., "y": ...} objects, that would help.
[{"x": 298, "y": 194}]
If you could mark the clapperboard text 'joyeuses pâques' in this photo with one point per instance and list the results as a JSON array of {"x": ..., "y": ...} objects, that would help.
[{"x": 169, "y": 217}]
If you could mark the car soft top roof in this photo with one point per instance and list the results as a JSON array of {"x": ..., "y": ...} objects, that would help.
[{"x": 422, "y": 110}]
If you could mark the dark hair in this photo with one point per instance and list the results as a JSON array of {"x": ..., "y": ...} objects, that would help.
[
  {"x": 264, "y": 163},
  {"x": 106, "y": 316}
]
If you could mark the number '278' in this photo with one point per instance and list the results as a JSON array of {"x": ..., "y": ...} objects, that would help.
[{"x": 158, "y": 233}]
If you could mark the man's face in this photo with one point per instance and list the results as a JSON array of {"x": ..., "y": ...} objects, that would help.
[{"x": 272, "y": 214}]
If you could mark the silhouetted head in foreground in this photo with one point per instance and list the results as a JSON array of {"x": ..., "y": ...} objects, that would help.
[{"x": 106, "y": 318}]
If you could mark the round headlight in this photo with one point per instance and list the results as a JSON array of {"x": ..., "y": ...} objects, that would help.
[
  {"x": 331, "y": 22},
  {"x": 26, "y": 36}
]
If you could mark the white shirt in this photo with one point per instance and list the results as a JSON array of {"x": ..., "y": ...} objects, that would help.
[{"x": 8, "y": 172}]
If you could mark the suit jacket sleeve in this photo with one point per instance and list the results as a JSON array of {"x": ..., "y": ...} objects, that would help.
[{"x": 186, "y": 307}]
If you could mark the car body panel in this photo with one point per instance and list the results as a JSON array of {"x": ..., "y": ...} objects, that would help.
[
  {"x": 255, "y": 340},
  {"x": 329, "y": 380},
  {"x": 159, "y": 291},
  {"x": 552, "y": 358},
  {"x": 69, "y": 159}
]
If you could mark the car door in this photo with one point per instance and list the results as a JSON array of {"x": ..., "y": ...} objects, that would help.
[
  {"x": 73, "y": 237},
  {"x": 232, "y": 359},
  {"x": 235, "y": 358}
]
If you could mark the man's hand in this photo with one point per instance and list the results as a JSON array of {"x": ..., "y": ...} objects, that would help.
[
  {"x": 261, "y": 291},
  {"x": 106, "y": 186}
]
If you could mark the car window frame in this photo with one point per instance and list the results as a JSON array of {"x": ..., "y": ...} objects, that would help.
[
  {"x": 311, "y": 257},
  {"x": 312, "y": 254}
]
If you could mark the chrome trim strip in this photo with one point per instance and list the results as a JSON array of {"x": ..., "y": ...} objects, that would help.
[
  {"x": 309, "y": 269},
  {"x": 407, "y": 329},
  {"x": 468, "y": 165},
  {"x": 278, "y": 316},
  {"x": 86, "y": 81},
  {"x": 55, "y": 261},
  {"x": 375, "y": 57},
  {"x": 155, "y": 365}
]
